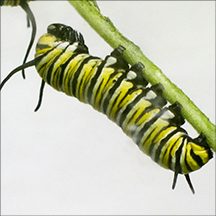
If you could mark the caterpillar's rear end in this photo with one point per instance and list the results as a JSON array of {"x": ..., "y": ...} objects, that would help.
[{"x": 120, "y": 92}]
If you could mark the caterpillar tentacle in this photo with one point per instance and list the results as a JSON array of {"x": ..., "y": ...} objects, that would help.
[
  {"x": 30, "y": 17},
  {"x": 23, "y": 66},
  {"x": 40, "y": 96}
]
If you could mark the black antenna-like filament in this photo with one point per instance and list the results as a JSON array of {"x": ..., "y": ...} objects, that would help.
[
  {"x": 187, "y": 179},
  {"x": 21, "y": 67},
  {"x": 40, "y": 96},
  {"x": 30, "y": 16}
]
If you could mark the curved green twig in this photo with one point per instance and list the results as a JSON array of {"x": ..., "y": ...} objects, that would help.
[{"x": 105, "y": 28}]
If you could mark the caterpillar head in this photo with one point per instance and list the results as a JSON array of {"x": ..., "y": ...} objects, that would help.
[{"x": 66, "y": 33}]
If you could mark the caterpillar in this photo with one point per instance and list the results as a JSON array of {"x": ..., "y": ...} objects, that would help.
[
  {"x": 119, "y": 91},
  {"x": 30, "y": 16}
]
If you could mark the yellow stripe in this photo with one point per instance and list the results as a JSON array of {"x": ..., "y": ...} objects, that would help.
[
  {"x": 153, "y": 130},
  {"x": 167, "y": 151},
  {"x": 104, "y": 77},
  {"x": 47, "y": 61},
  {"x": 120, "y": 93},
  {"x": 70, "y": 70},
  {"x": 57, "y": 70},
  {"x": 130, "y": 127},
  {"x": 86, "y": 75},
  {"x": 47, "y": 40},
  {"x": 163, "y": 134},
  {"x": 108, "y": 84},
  {"x": 105, "y": 84}
]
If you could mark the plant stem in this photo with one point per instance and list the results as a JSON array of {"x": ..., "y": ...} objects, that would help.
[{"x": 105, "y": 28}]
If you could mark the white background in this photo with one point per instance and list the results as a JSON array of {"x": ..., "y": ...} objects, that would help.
[{"x": 69, "y": 159}]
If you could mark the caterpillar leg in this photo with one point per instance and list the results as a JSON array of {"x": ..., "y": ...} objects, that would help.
[
  {"x": 135, "y": 75},
  {"x": 116, "y": 60},
  {"x": 155, "y": 96},
  {"x": 118, "y": 52},
  {"x": 176, "y": 110}
]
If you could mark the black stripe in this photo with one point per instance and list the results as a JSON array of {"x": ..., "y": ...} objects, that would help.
[
  {"x": 151, "y": 144},
  {"x": 50, "y": 69},
  {"x": 177, "y": 154},
  {"x": 85, "y": 82},
  {"x": 42, "y": 56},
  {"x": 162, "y": 143},
  {"x": 111, "y": 92},
  {"x": 186, "y": 163},
  {"x": 97, "y": 92},
  {"x": 178, "y": 166},
  {"x": 132, "y": 117},
  {"x": 130, "y": 105},
  {"x": 76, "y": 75},
  {"x": 149, "y": 123},
  {"x": 197, "y": 158},
  {"x": 94, "y": 80},
  {"x": 42, "y": 46},
  {"x": 63, "y": 67},
  {"x": 108, "y": 86},
  {"x": 156, "y": 103}
]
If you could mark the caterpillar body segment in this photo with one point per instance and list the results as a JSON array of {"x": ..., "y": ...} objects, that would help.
[{"x": 119, "y": 91}]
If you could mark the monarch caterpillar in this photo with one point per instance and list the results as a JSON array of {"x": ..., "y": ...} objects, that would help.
[
  {"x": 30, "y": 16},
  {"x": 121, "y": 93}
]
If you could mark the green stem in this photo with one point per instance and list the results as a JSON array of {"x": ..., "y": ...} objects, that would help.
[{"x": 105, "y": 28}]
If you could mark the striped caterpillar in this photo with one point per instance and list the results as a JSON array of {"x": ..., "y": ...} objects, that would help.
[{"x": 121, "y": 93}]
